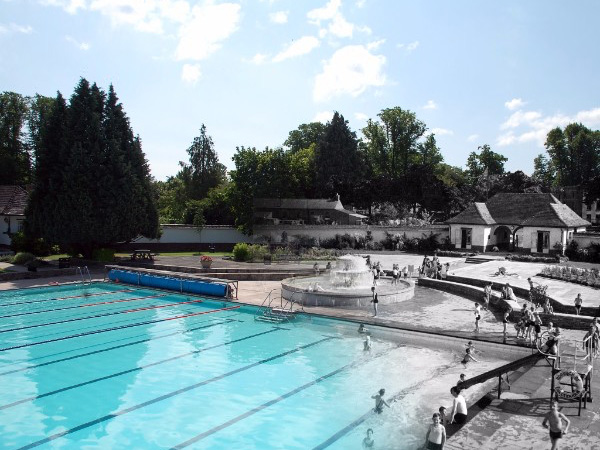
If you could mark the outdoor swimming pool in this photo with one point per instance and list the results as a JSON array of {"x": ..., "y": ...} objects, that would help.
[{"x": 113, "y": 366}]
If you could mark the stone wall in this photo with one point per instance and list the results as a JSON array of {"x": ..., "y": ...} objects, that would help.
[{"x": 474, "y": 291}]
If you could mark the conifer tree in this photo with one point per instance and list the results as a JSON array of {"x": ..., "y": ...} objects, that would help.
[{"x": 93, "y": 186}]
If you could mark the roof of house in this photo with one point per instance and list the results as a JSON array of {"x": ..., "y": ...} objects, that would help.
[
  {"x": 527, "y": 209},
  {"x": 13, "y": 200}
]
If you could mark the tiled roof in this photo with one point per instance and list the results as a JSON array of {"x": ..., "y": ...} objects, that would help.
[
  {"x": 297, "y": 203},
  {"x": 475, "y": 214},
  {"x": 521, "y": 209},
  {"x": 13, "y": 200}
]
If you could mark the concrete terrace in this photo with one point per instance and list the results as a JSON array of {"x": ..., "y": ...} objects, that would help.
[{"x": 511, "y": 422}]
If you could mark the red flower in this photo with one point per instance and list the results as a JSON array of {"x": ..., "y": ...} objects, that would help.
[{"x": 205, "y": 258}]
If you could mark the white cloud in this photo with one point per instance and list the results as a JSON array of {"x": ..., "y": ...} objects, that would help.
[
  {"x": 515, "y": 103},
  {"x": 14, "y": 28},
  {"x": 300, "y": 47},
  {"x": 279, "y": 17},
  {"x": 259, "y": 58},
  {"x": 473, "y": 137},
  {"x": 323, "y": 116},
  {"x": 340, "y": 27},
  {"x": 409, "y": 47},
  {"x": 191, "y": 73},
  {"x": 591, "y": 117},
  {"x": 351, "y": 70},
  {"x": 360, "y": 3},
  {"x": 532, "y": 126},
  {"x": 506, "y": 139},
  {"x": 70, "y": 6},
  {"x": 430, "y": 105},
  {"x": 209, "y": 25},
  {"x": 330, "y": 20},
  {"x": 375, "y": 44},
  {"x": 80, "y": 45},
  {"x": 519, "y": 118},
  {"x": 327, "y": 12},
  {"x": 441, "y": 131},
  {"x": 361, "y": 116}
]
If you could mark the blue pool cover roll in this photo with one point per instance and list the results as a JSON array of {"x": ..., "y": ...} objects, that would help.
[{"x": 169, "y": 283}]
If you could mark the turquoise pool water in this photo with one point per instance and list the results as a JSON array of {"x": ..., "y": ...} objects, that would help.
[{"x": 109, "y": 366}]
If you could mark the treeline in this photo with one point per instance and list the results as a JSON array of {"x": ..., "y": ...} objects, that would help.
[
  {"x": 394, "y": 171},
  {"x": 89, "y": 181},
  {"x": 87, "y": 167}
]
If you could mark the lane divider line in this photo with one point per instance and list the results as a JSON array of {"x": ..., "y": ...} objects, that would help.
[
  {"x": 275, "y": 400},
  {"x": 71, "y": 297},
  {"x": 82, "y": 306},
  {"x": 105, "y": 330},
  {"x": 135, "y": 369},
  {"x": 115, "y": 347},
  {"x": 166, "y": 396},
  {"x": 113, "y": 313}
]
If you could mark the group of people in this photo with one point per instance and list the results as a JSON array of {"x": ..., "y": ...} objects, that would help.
[
  {"x": 433, "y": 268},
  {"x": 397, "y": 273}
]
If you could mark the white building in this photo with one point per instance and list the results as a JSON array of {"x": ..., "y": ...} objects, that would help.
[
  {"x": 13, "y": 200},
  {"x": 536, "y": 223}
]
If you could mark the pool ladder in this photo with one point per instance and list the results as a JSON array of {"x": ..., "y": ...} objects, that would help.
[
  {"x": 83, "y": 272},
  {"x": 276, "y": 314}
]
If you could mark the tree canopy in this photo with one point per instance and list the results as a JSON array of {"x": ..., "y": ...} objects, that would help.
[{"x": 92, "y": 182}]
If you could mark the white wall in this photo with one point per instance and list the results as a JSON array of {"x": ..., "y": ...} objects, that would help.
[
  {"x": 329, "y": 231},
  {"x": 15, "y": 223},
  {"x": 182, "y": 234}
]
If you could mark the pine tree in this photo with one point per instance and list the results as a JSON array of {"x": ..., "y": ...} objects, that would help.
[{"x": 94, "y": 187}]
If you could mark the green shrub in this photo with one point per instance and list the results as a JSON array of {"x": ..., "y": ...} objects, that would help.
[
  {"x": 256, "y": 252},
  {"x": 241, "y": 252},
  {"x": 23, "y": 258}
]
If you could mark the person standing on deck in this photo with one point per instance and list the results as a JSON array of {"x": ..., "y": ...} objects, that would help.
[
  {"x": 578, "y": 303},
  {"x": 554, "y": 422}
]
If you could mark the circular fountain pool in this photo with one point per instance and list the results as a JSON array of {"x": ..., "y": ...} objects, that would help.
[{"x": 349, "y": 283}]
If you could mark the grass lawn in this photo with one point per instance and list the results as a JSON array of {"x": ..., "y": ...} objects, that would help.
[{"x": 183, "y": 254}]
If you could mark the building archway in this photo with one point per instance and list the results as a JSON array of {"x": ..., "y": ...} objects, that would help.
[{"x": 504, "y": 237}]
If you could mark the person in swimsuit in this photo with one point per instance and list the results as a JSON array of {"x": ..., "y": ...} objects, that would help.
[
  {"x": 505, "y": 319},
  {"x": 578, "y": 303},
  {"x": 537, "y": 326},
  {"x": 436, "y": 434},
  {"x": 368, "y": 441},
  {"x": 379, "y": 401},
  {"x": 477, "y": 317},
  {"x": 487, "y": 295},
  {"x": 553, "y": 421},
  {"x": 461, "y": 379},
  {"x": 367, "y": 344},
  {"x": 442, "y": 411},
  {"x": 362, "y": 329},
  {"x": 375, "y": 302},
  {"x": 468, "y": 357},
  {"x": 459, "y": 407}
]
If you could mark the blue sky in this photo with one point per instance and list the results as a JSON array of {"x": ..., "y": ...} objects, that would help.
[{"x": 500, "y": 73}]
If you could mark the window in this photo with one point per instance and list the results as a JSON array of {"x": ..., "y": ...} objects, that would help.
[{"x": 20, "y": 225}]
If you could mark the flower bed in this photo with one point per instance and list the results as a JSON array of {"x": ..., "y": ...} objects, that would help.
[{"x": 587, "y": 277}]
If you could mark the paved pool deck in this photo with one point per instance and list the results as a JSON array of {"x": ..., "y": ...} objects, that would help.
[{"x": 511, "y": 422}]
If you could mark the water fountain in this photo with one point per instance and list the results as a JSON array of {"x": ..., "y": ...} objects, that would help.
[{"x": 349, "y": 283}]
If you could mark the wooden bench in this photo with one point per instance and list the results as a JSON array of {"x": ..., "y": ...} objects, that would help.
[{"x": 64, "y": 263}]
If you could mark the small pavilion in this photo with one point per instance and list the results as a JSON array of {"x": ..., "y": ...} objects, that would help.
[{"x": 528, "y": 222}]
